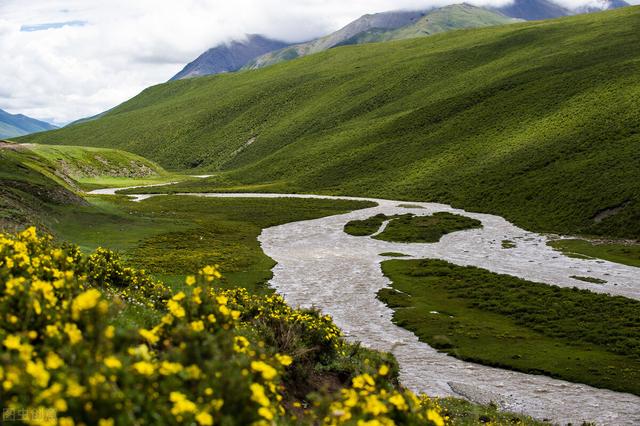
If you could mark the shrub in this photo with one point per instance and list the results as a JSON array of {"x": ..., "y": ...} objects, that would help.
[{"x": 214, "y": 357}]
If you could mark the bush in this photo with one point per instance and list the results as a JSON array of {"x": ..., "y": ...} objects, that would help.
[{"x": 214, "y": 357}]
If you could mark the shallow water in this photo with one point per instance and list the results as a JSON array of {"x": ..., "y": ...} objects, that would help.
[{"x": 320, "y": 265}]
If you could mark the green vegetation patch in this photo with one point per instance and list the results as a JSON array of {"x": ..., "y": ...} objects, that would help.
[
  {"x": 503, "y": 321},
  {"x": 425, "y": 229},
  {"x": 508, "y": 244},
  {"x": 365, "y": 227},
  {"x": 625, "y": 253},
  {"x": 589, "y": 279},
  {"x": 393, "y": 254}
]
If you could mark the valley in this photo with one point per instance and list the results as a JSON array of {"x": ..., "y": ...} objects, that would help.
[{"x": 425, "y": 217}]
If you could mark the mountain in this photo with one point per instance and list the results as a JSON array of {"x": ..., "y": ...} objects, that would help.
[
  {"x": 380, "y": 21},
  {"x": 229, "y": 57},
  {"x": 536, "y": 121},
  {"x": 448, "y": 18},
  {"x": 534, "y": 10},
  {"x": 13, "y": 125}
]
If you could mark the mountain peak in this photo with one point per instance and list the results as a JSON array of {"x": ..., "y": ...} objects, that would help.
[{"x": 228, "y": 57}]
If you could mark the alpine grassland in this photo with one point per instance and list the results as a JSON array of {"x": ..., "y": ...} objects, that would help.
[
  {"x": 536, "y": 121},
  {"x": 74, "y": 354},
  {"x": 506, "y": 322},
  {"x": 409, "y": 228}
]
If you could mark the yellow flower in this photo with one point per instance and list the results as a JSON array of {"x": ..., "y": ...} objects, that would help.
[
  {"x": 178, "y": 297},
  {"x": 84, "y": 301},
  {"x": 66, "y": 421},
  {"x": 149, "y": 335},
  {"x": 109, "y": 332},
  {"x": 175, "y": 308},
  {"x": 363, "y": 381},
  {"x": 258, "y": 395},
  {"x": 60, "y": 405},
  {"x": 197, "y": 326},
  {"x": 285, "y": 360},
  {"x": 222, "y": 299},
  {"x": 112, "y": 362},
  {"x": 54, "y": 361},
  {"x": 204, "y": 419},
  {"x": 435, "y": 417},
  {"x": 266, "y": 413},
  {"x": 398, "y": 401},
  {"x": 167, "y": 368},
  {"x": 143, "y": 367},
  {"x": 181, "y": 404},
  {"x": 383, "y": 370},
  {"x": 75, "y": 335},
  {"x": 36, "y": 307},
  {"x": 106, "y": 422},
  {"x": 74, "y": 389},
  {"x": 38, "y": 372},
  {"x": 190, "y": 280},
  {"x": 267, "y": 371},
  {"x": 12, "y": 342}
]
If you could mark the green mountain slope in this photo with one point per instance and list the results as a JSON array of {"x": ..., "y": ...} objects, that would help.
[
  {"x": 535, "y": 121},
  {"x": 370, "y": 30},
  {"x": 449, "y": 18},
  {"x": 38, "y": 182}
]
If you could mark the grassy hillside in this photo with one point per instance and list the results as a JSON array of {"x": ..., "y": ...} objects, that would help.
[
  {"x": 536, "y": 121},
  {"x": 448, "y": 18},
  {"x": 38, "y": 183}
]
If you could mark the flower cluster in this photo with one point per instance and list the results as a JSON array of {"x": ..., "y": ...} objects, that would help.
[{"x": 67, "y": 344}]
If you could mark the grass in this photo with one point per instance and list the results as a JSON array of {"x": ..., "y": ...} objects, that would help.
[
  {"x": 508, "y": 244},
  {"x": 365, "y": 227},
  {"x": 425, "y": 229},
  {"x": 625, "y": 253},
  {"x": 503, "y": 321},
  {"x": 174, "y": 235},
  {"x": 534, "y": 121},
  {"x": 589, "y": 279},
  {"x": 409, "y": 228}
]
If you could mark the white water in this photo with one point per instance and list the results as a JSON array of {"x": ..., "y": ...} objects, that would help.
[{"x": 319, "y": 265}]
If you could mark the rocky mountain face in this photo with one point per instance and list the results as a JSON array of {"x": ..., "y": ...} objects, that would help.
[
  {"x": 229, "y": 57},
  {"x": 13, "y": 125}
]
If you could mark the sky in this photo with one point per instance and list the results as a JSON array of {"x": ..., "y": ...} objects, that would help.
[{"x": 62, "y": 60}]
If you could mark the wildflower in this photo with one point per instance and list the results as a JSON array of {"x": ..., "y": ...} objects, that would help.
[
  {"x": 53, "y": 361},
  {"x": 204, "y": 419},
  {"x": 12, "y": 342},
  {"x": 109, "y": 332},
  {"x": 181, "y": 404},
  {"x": 167, "y": 368},
  {"x": 284, "y": 360},
  {"x": 435, "y": 417},
  {"x": 106, "y": 422},
  {"x": 383, "y": 370},
  {"x": 175, "y": 308},
  {"x": 363, "y": 381},
  {"x": 266, "y": 413},
  {"x": 74, "y": 389},
  {"x": 144, "y": 368},
  {"x": 38, "y": 372},
  {"x": 75, "y": 335},
  {"x": 267, "y": 371},
  {"x": 85, "y": 301},
  {"x": 258, "y": 395},
  {"x": 149, "y": 336},
  {"x": 190, "y": 280},
  {"x": 112, "y": 362},
  {"x": 398, "y": 401},
  {"x": 197, "y": 326},
  {"x": 240, "y": 344}
]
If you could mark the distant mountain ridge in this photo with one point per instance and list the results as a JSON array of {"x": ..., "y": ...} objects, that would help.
[
  {"x": 13, "y": 125},
  {"x": 229, "y": 57},
  {"x": 534, "y": 10}
]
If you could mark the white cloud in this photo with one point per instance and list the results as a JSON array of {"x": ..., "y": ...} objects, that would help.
[{"x": 111, "y": 50}]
